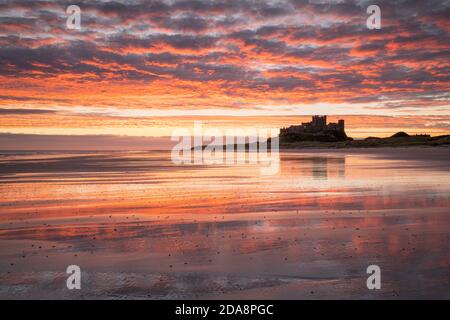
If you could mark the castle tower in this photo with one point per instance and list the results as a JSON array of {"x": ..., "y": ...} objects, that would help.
[
  {"x": 341, "y": 125},
  {"x": 319, "y": 123}
]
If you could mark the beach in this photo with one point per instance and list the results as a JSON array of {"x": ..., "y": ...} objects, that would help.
[{"x": 141, "y": 227}]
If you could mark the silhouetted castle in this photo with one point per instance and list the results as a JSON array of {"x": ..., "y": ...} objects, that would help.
[{"x": 316, "y": 130}]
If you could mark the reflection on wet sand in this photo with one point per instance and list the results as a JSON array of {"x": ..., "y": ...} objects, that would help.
[
  {"x": 324, "y": 166},
  {"x": 141, "y": 227}
]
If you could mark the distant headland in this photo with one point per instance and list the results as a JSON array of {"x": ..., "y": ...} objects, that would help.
[{"x": 319, "y": 134}]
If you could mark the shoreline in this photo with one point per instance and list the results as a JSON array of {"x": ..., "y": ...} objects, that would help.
[{"x": 380, "y": 148}]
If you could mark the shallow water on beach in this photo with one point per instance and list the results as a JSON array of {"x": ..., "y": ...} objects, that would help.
[{"x": 140, "y": 226}]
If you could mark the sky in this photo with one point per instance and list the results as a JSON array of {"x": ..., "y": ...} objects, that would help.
[{"x": 144, "y": 68}]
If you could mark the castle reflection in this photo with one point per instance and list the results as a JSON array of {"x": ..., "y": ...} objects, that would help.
[
  {"x": 320, "y": 167},
  {"x": 323, "y": 167}
]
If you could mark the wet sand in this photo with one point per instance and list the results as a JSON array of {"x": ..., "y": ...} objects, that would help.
[{"x": 140, "y": 227}]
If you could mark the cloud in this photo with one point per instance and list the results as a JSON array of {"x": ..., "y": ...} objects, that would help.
[
  {"x": 23, "y": 111},
  {"x": 219, "y": 53}
]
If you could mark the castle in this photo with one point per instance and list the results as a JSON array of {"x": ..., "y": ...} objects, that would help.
[{"x": 316, "y": 130}]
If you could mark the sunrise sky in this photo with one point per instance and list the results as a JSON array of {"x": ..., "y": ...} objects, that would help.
[{"x": 143, "y": 68}]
